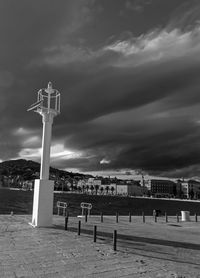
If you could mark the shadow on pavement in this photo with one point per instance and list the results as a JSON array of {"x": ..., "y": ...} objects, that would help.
[
  {"x": 140, "y": 245},
  {"x": 138, "y": 239}
]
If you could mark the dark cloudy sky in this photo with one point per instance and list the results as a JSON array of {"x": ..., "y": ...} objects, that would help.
[{"x": 129, "y": 76}]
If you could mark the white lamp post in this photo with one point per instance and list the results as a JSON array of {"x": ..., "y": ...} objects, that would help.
[{"x": 48, "y": 106}]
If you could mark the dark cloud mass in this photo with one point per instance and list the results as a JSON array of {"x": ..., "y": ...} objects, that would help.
[{"x": 129, "y": 88}]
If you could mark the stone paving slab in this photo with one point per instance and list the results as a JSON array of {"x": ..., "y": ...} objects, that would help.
[{"x": 53, "y": 252}]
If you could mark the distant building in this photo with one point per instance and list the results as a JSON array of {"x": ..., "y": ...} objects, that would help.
[
  {"x": 81, "y": 183},
  {"x": 90, "y": 182},
  {"x": 92, "y": 185},
  {"x": 122, "y": 189},
  {"x": 161, "y": 188},
  {"x": 188, "y": 189},
  {"x": 108, "y": 188},
  {"x": 129, "y": 189},
  {"x": 97, "y": 182}
]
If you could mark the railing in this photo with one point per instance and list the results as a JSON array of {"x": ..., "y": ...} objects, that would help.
[{"x": 62, "y": 206}]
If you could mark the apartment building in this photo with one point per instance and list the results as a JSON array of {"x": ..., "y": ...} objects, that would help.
[
  {"x": 161, "y": 187},
  {"x": 188, "y": 189}
]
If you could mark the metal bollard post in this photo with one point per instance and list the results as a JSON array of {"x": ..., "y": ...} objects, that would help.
[
  {"x": 117, "y": 217},
  {"x": 115, "y": 240},
  {"x": 166, "y": 217},
  {"x": 65, "y": 212},
  {"x": 95, "y": 233},
  {"x": 101, "y": 217},
  {"x": 129, "y": 217},
  {"x": 143, "y": 217},
  {"x": 66, "y": 222},
  {"x": 86, "y": 215},
  {"x": 196, "y": 217},
  {"x": 79, "y": 227}
]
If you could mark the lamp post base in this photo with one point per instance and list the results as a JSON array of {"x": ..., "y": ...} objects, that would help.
[{"x": 42, "y": 215}]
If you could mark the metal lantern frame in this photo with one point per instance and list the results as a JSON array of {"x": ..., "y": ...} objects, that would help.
[{"x": 50, "y": 101}]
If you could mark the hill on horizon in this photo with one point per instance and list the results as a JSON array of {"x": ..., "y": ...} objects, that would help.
[{"x": 29, "y": 169}]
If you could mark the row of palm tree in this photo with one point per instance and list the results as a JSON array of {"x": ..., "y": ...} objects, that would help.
[{"x": 93, "y": 189}]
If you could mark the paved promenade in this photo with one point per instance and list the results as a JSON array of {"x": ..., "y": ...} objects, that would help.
[{"x": 143, "y": 250}]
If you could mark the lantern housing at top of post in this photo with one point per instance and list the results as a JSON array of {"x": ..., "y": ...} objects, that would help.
[{"x": 48, "y": 100}]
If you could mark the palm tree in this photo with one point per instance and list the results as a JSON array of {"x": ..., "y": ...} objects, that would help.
[
  {"x": 107, "y": 189},
  {"x": 101, "y": 189},
  {"x": 191, "y": 194},
  {"x": 96, "y": 188},
  {"x": 92, "y": 188},
  {"x": 72, "y": 186},
  {"x": 83, "y": 188},
  {"x": 112, "y": 189}
]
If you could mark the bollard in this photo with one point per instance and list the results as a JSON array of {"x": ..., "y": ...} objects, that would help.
[
  {"x": 58, "y": 211},
  {"x": 166, "y": 217},
  {"x": 117, "y": 217},
  {"x": 155, "y": 215},
  {"x": 115, "y": 240},
  {"x": 79, "y": 227},
  {"x": 66, "y": 222},
  {"x": 196, "y": 219},
  {"x": 64, "y": 211},
  {"x": 177, "y": 217},
  {"x": 129, "y": 217},
  {"x": 143, "y": 217},
  {"x": 95, "y": 233},
  {"x": 101, "y": 217},
  {"x": 86, "y": 215}
]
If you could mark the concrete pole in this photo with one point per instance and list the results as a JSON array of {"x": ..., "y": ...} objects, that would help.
[
  {"x": 43, "y": 190},
  {"x": 47, "y": 119}
]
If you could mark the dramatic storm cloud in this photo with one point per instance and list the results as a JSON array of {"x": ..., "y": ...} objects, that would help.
[{"x": 128, "y": 74}]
